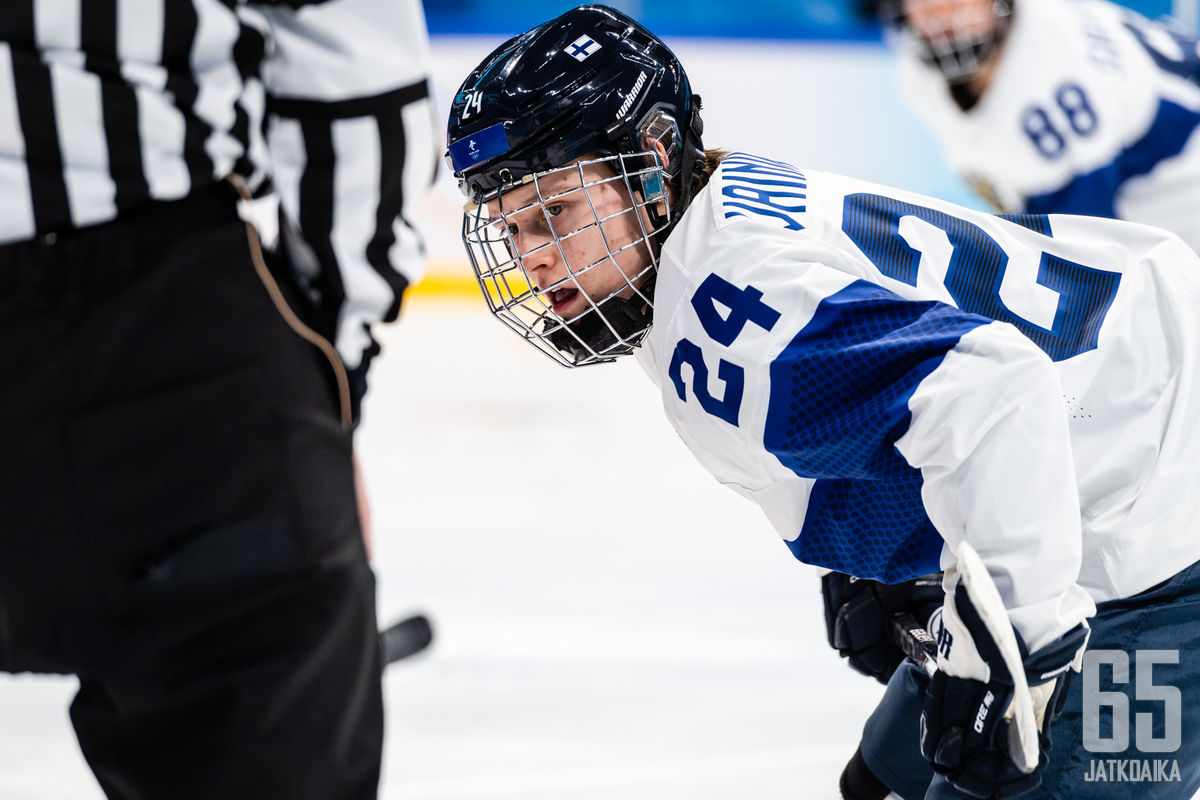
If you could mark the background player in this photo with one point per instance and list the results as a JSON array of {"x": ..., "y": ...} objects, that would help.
[
  {"x": 882, "y": 372},
  {"x": 1058, "y": 106}
]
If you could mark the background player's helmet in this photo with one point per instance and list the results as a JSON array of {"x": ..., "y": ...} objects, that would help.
[
  {"x": 968, "y": 36},
  {"x": 591, "y": 83}
]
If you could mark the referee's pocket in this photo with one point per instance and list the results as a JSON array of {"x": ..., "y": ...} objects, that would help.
[{"x": 183, "y": 487}]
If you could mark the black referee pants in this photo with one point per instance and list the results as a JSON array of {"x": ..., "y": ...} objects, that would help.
[{"x": 178, "y": 516}]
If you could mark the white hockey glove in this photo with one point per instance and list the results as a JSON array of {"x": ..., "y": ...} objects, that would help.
[{"x": 984, "y": 728}]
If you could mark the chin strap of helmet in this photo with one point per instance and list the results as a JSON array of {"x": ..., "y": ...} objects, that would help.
[
  {"x": 693, "y": 159},
  {"x": 613, "y": 328}
]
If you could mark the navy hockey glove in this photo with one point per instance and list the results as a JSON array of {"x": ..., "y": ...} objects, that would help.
[
  {"x": 968, "y": 732},
  {"x": 860, "y": 613}
]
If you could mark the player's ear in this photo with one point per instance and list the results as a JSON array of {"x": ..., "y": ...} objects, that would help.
[
  {"x": 661, "y": 149},
  {"x": 668, "y": 169},
  {"x": 657, "y": 189}
]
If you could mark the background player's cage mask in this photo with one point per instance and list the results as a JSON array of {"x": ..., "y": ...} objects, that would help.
[
  {"x": 618, "y": 241},
  {"x": 962, "y": 44}
]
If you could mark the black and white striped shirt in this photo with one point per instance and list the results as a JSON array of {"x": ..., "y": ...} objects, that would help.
[{"x": 107, "y": 104}]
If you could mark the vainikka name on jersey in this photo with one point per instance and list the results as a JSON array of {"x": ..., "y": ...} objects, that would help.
[{"x": 761, "y": 186}]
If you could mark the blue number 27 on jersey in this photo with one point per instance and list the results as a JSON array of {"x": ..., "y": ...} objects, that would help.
[
  {"x": 976, "y": 269},
  {"x": 973, "y": 277}
]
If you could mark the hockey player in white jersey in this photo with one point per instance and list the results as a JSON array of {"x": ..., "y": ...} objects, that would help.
[
  {"x": 903, "y": 385},
  {"x": 1058, "y": 106}
]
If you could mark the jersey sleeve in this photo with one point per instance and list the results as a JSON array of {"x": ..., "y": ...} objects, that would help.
[
  {"x": 989, "y": 434},
  {"x": 850, "y": 358},
  {"x": 920, "y": 423},
  {"x": 351, "y": 144}
]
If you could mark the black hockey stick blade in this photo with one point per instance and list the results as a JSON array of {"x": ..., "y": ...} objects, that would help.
[{"x": 406, "y": 637}]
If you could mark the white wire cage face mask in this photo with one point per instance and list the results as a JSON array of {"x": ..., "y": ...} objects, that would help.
[
  {"x": 567, "y": 257},
  {"x": 958, "y": 43}
]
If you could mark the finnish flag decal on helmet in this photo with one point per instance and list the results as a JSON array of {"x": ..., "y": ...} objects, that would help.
[{"x": 582, "y": 47}]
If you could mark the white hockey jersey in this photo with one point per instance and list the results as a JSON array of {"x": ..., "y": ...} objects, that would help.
[
  {"x": 886, "y": 373},
  {"x": 1092, "y": 110}
]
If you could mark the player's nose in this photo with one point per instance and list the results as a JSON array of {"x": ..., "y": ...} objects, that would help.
[{"x": 539, "y": 255}]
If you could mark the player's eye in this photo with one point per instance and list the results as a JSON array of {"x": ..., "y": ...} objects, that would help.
[{"x": 555, "y": 209}]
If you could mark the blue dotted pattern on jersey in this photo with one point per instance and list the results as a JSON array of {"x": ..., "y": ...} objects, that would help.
[
  {"x": 1094, "y": 193},
  {"x": 839, "y": 401}
]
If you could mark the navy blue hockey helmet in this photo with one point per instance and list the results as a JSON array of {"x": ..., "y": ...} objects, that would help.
[{"x": 589, "y": 81}]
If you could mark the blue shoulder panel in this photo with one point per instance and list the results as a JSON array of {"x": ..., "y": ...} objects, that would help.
[{"x": 839, "y": 401}]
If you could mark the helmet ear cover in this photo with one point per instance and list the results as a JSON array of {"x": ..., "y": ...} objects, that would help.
[{"x": 682, "y": 159}]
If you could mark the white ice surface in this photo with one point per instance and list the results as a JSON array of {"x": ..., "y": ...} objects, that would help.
[{"x": 610, "y": 622}]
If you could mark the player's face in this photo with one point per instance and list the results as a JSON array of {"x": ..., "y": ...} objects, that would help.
[
  {"x": 584, "y": 238},
  {"x": 950, "y": 20}
]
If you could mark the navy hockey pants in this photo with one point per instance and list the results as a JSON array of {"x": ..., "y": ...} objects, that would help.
[
  {"x": 1145, "y": 746},
  {"x": 179, "y": 519}
]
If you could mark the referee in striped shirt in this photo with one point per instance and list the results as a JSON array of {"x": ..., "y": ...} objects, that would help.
[{"x": 178, "y": 524}]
